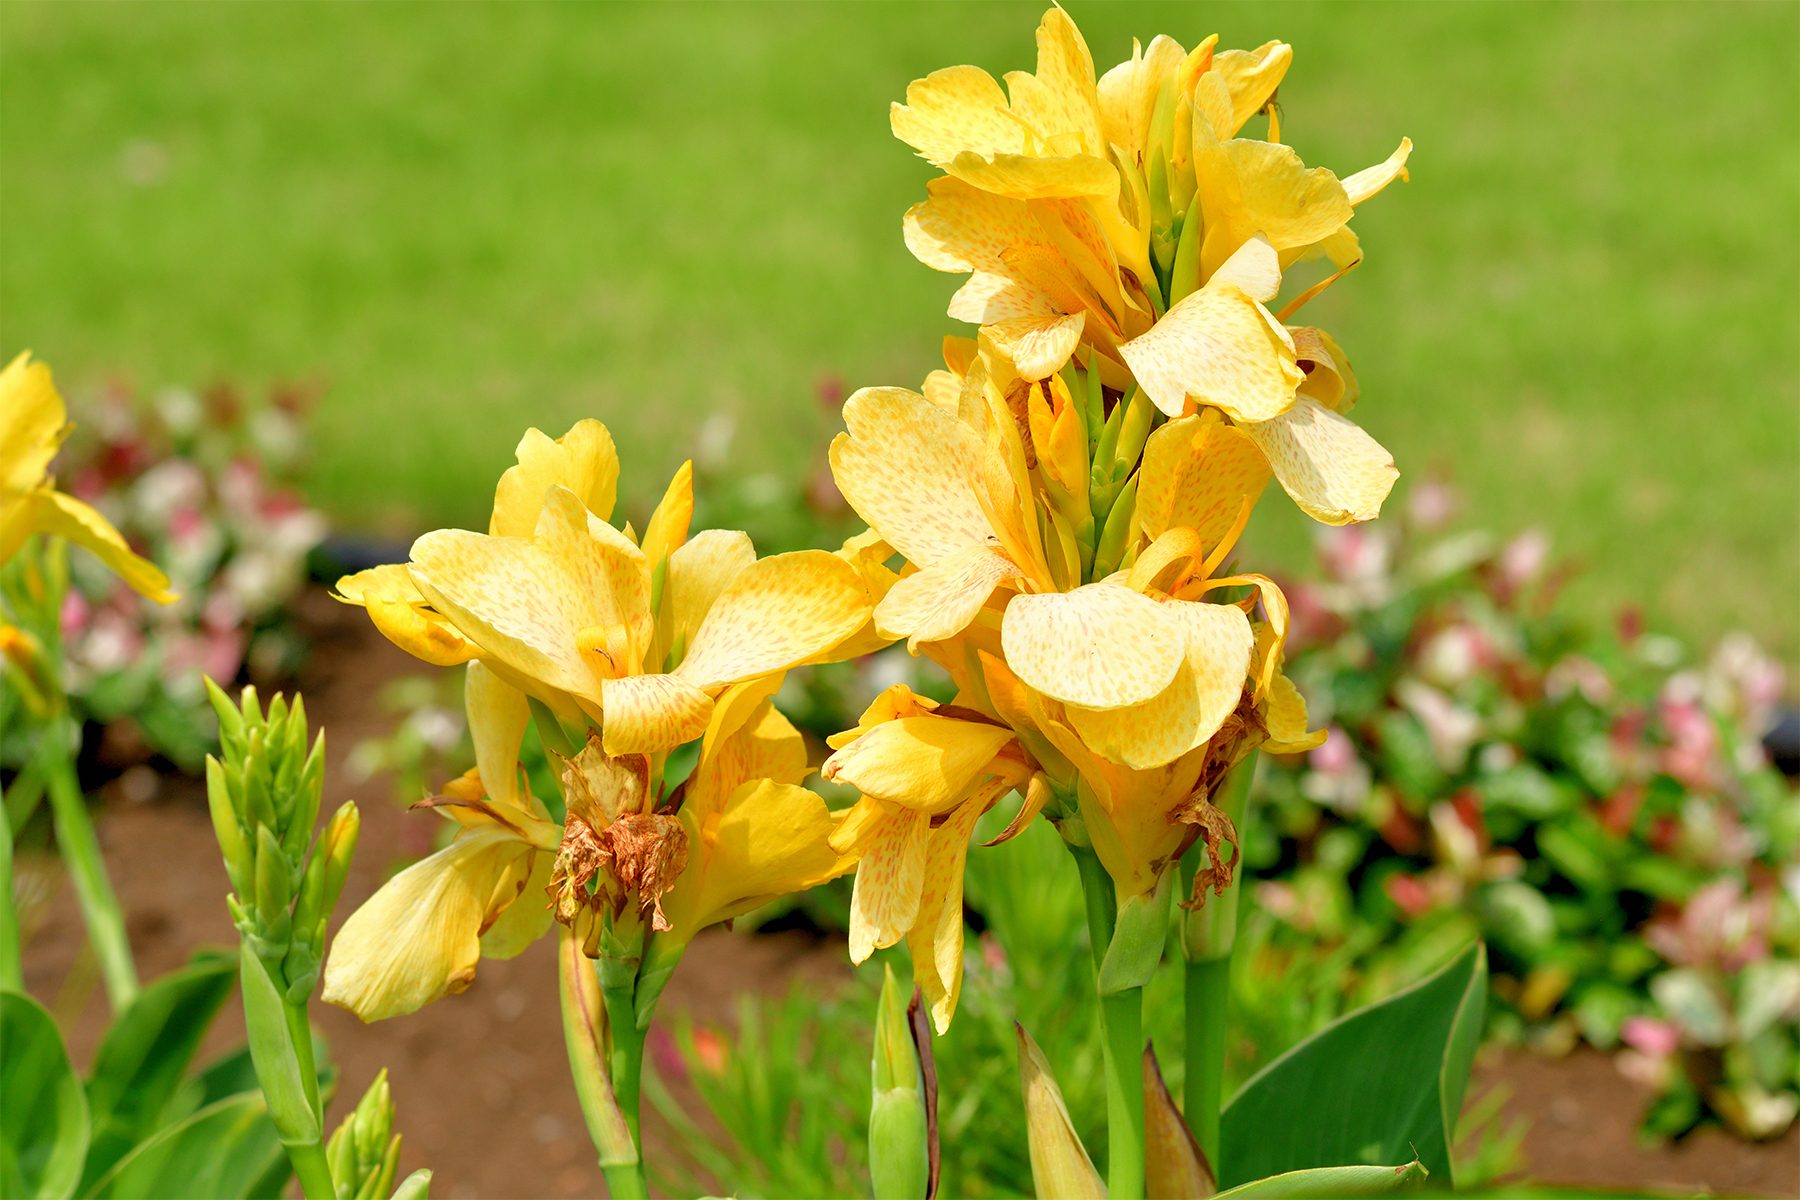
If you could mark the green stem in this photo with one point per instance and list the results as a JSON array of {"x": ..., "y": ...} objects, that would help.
[
  {"x": 626, "y": 1181},
  {"x": 313, "y": 1171},
  {"x": 12, "y": 976},
  {"x": 1208, "y": 937},
  {"x": 1122, "y": 1031},
  {"x": 87, "y": 870},
  {"x": 311, "y": 1165}
]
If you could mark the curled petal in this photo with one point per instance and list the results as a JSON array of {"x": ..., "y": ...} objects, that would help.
[
  {"x": 642, "y": 714},
  {"x": 1335, "y": 472},
  {"x": 403, "y": 615},
  {"x": 582, "y": 460},
  {"x": 1220, "y": 347}
]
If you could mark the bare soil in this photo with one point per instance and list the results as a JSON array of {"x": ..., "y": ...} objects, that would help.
[{"x": 480, "y": 1081}]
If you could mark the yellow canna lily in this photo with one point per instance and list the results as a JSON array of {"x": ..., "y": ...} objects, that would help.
[
  {"x": 33, "y": 423},
  {"x": 1130, "y": 216}
]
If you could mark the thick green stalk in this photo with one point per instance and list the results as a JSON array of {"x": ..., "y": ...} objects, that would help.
[
  {"x": 310, "y": 1163},
  {"x": 87, "y": 870},
  {"x": 1208, "y": 937},
  {"x": 626, "y": 1181},
  {"x": 1122, "y": 1031},
  {"x": 12, "y": 977}
]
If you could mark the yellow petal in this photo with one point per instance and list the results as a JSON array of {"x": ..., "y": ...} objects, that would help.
[
  {"x": 927, "y": 763},
  {"x": 1219, "y": 347},
  {"x": 418, "y": 937},
  {"x": 698, "y": 572},
  {"x": 1038, "y": 346},
  {"x": 769, "y": 840},
  {"x": 940, "y": 601},
  {"x": 526, "y": 919},
  {"x": 767, "y": 746},
  {"x": 1334, "y": 471},
  {"x": 1099, "y": 646},
  {"x": 885, "y": 902},
  {"x": 962, "y": 228},
  {"x": 1329, "y": 379},
  {"x": 775, "y": 614},
  {"x": 642, "y": 714},
  {"x": 1197, "y": 474},
  {"x": 1060, "y": 1166},
  {"x": 403, "y": 615},
  {"x": 1190, "y": 710},
  {"x": 1370, "y": 180},
  {"x": 1028, "y": 177},
  {"x": 497, "y": 714},
  {"x": 582, "y": 460},
  {"x": 58, "y": 515},
  {"x": 909, "y": 469},
  {"x": 1128, "y": 92},
  {"x": 1254, "y": 269},
  {"x": 1286, "y": 720},
  {"x": 1252, "y": 77},
  {"x": 954, "y": 110},
  {"x": 1061, "y": 99},
  {"x": 668, "y": 527},
  {"x": 33, "y": 423},
  {"x": 936, "y": 937},
  {"x": 1275, "y": 618}
]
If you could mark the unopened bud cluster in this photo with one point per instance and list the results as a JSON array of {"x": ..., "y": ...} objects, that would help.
[{"x": 364, "y": 1153}]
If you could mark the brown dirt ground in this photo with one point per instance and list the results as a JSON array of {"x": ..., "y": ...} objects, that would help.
[{"x": 480, "y": 1081}]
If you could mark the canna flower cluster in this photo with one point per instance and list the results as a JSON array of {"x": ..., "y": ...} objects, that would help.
[
  {"x": 1068, "y": 493},
  {"x": 645, "y": 644}
]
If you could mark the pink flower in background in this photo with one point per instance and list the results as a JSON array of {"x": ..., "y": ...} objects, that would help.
[
  {"x": 1433, "y": 503},
  {"x": 1720, "y": 927},
  {"x": 1521, "y": 562}
]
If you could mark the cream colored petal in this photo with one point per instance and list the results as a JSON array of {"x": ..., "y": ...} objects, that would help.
[
  {"x": 403, "y": 615},
  {"x": 1099, "y": 646},
  {"x": 1286, "y": 720},
  {"x": 1272, "y": 634},
  {"x": 777, "y": 613},
  {"x": 1197, "y": 474},
  {"x": 769, "y": 840},
  {"x": 766, "y": 746},
  {"x": 940, "y": 601},
  {"x": 608, "y": 565},
  {"x": 1334, "y": 471},
  {"x": 419, "y": 937},
  {"x": 885, "y": 902},
  {"x": 1254, "y": 269},
  {"x": 923, "y": 763},
  {"x": 33, "y": 423},
  {"x": 582, "y": 460},
  {"x": 962, "y": 228},
  {"x": 986, "y": 297},
  {"x": 1027, "y": 177},
  {"x": 909, "y": 469},
  {"x": 1205, "y": 691},
  {"x": 668, "y": 527},
  {"x": 526, "y": 917},
  {"x": 642, "y": 714},
  {"x": 1370, "y": 180},
  {"x": 1038, "y": 346},
  {"x": 1252, "y": 77},
  {"x": 698, "y": 572},
  {"x": 1217, "y": 347},
  {"x": 497, "y": 714},
  {"x": 936, "y": 938},
  {"x": 62, "y": 516},
  {"x": 954, "y": 110}
]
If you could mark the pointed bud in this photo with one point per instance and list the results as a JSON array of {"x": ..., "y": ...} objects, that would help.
[
  {"x": 903, "y": 1108},
  {"x": 1175, "y": 1168},
  {"x": 1060, "y": 1166}
]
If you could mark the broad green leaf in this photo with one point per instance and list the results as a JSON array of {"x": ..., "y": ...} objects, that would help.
[
  {"x": 44, "y": 1135},
  {"x": 273, "y": 1051},
  {"x": 226, "y": 1150},
  {"x": 1381, "y": 1085},
  {"x": 1331, "y": 1182},
  {"x": 144, "y": 1054}
]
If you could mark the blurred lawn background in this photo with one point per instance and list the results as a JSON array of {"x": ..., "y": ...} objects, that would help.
[{"x": 467, "y": 219}]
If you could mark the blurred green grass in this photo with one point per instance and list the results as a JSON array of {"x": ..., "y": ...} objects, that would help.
[{"x": 466, "y": 219}]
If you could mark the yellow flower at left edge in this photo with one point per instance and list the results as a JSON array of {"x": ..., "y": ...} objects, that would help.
[{"x": 33, "y": 424}]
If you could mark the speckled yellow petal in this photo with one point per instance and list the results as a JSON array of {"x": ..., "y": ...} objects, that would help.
[
  {"x": 777, "y": 613},
  {"x": 497, "y": 714},
  {"x": 404, "y": 616},
  {"x": 1028, "y": 177},
  {"x": 1286, "y": 720},
  {"x": 1038, "y": 346},
  {"x": 1217, "y": 347},
  {"x": 1252, "y": 77},
  {"x": 769, "y": 839},
  {"x": 909, "y": 469},
  {"x": 1099, "y": 646},
  {"x": 418, "y": 937},
  {"x": 698, "y": 572},
  {"x": 1370, "y": 180},
  {"x": 1329, "y": 379},
  {"x": 606, "y": 563},
  {"x": 62, "y": 516},
  {"x": 1197, "y": 474},
  {"x": 1249, "y": 187},
  {"x": 936, "y": 938},
  {"x": 668, "y": 527},
  {"x": 1254, "y": 268},
  {"x": 885, "y": 902},
  {"x": 962, "y": 228},
  {"x": 766, "y": 746},
  {"x": 940, "y": 601},
  {"x": 582, "y": 460},
  {"x": 953, "y": 110},
  {"x": 1128, "y": 92},
  {"x": 927, "y": 763},
  {"x": 1061, "y": 100},
  {"x": 1190, "y": 710},
  {"x": 1335, "y": 472},
  {"x": 33, "y": 423},
  {"x": 642, "y": 714}
]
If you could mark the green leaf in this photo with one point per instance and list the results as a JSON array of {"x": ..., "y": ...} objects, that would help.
[
  {"x": 144, "y": 1054},
  {"x": 45, "y": 1134},
  {"x": 228, "y": 1149},
  {"x": 1332, "y": 1182},
  {"x": 1381, "y": 1085},
  {"x": 273, "y": 1051}
]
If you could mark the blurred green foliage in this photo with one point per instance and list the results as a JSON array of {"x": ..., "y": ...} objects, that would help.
[{"x": 474, "y": 218}]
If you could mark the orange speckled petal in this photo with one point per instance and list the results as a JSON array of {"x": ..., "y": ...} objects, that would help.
[
  {"x": 1218, "y": 347},
  {"x": 642, "y": 714},
  {"x": 953, "y": 110},
  {"x": 940, "y": 601},
  {"x": 936, "y": 938},
  {"x": 1038, "y": 346},
  {"x": 909, "y": 469},
  {"x": 885, "y": 902},
  {"x": 927, "y": 763},
  {"x": 1099, "y": 646},
  {"x": 1335, "y": 472},
  {"x": 777, "y": 613},
  {"x": 1197, "y": 474}
]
